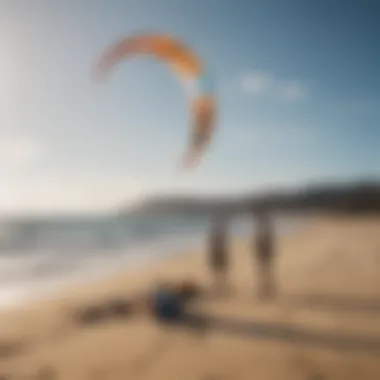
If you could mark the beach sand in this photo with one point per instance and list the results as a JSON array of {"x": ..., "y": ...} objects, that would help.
[{"x": 324, "y": 324}]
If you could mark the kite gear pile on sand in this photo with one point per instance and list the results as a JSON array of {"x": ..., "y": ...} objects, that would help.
[{"x": 166, "y": 303}]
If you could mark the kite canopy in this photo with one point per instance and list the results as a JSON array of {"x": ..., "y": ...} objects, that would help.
[{"x": 188, "y": 67}]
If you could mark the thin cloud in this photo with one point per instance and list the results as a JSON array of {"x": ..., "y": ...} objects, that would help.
[
  {"x": 257, "y": 82},
  {"x": 261, "y": 83},
  {"x": 292, "y": 91},
  {"x": 274, "y": 136}
]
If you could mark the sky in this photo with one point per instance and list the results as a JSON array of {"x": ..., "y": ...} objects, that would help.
[{"x": 298, "y": 91}]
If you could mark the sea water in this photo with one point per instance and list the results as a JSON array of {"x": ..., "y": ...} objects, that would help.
[{"x": 38, "y": 255}]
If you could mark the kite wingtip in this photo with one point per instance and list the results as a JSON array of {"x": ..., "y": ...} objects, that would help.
[
  {"x": 190, "y": 161},
  {"x": 98, "y": 77}
]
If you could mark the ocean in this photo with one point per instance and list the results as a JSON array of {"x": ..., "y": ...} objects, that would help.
[{"x": 40, "y": 255}]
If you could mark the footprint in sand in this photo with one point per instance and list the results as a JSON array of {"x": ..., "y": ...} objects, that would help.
[
  {"x": 304, "y": 364},
  {"x": 46, "y": 373},
  {"x": 9, "y": 349},
  {"x": 98, "y": 374},
  {"x": 317, "y": 376}
]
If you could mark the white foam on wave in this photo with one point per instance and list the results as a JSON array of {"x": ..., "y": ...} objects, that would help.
[{"x": 39, "y": 273}]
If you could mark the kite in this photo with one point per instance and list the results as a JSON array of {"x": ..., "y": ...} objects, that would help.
[{"x": 190, "y": 70}]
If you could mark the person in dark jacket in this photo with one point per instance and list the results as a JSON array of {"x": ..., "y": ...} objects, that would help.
[
  {"x": 264, "y": 251},
  {"x": 218, "y": 252}
]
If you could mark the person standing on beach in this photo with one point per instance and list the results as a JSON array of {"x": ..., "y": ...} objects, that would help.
[
  {"x": 218, "y": 253},
  {"x": 264, "y": 251}
]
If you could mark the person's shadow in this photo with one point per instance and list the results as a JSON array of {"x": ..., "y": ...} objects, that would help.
[
  {"x": 335, "y": 302},
  {"x": 280, "y": 332}
]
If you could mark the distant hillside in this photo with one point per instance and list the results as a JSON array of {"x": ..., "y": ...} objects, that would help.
[{"x": 348, "y": 197}]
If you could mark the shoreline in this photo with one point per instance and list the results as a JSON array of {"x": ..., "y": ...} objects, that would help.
[{"x": 51, "y": 289}]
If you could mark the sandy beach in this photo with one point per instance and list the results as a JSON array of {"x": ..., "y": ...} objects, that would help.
[{"x": 324, "y": 324}]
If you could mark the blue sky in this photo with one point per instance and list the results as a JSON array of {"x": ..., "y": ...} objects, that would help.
[{"x": 297, "y": 86}]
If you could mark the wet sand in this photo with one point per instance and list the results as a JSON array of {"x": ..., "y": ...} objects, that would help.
[{"x": 324, "y": 324}]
